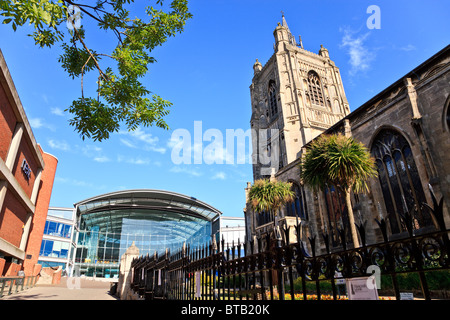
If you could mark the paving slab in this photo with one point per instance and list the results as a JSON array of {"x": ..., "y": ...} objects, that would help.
[{"x": 67, "y": 289}]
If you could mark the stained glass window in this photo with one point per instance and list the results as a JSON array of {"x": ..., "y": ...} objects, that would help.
[{"x": 399, "y": 180}]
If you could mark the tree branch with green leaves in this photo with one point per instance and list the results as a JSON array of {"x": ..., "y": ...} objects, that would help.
[{"x": 121, "y": 99}]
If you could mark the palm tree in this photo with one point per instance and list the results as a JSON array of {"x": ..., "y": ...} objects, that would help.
[
  {"x": 340, "y": 161},
  {"x": 269, "y": 196}
]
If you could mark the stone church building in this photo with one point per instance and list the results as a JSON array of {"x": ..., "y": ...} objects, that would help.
[{"x": 298, "y": 95}]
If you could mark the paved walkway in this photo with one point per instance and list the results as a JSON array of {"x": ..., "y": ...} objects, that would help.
[{"x": 67, "y": 290}]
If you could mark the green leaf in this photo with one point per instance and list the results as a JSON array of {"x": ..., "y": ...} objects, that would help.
[{"x": 122, "y": 99}]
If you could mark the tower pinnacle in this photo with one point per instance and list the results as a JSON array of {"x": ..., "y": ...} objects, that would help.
[{"x": 284, "y": 24}]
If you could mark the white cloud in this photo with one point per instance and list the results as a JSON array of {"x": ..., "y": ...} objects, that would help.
[
  {"x": 408, "y": 47},
  {"x": 139, "y": 135},
  {"x": 128, "y": 143},
  {"x": 360, "y": 55},
  {"x": 102, "y": 159},
  {"x": 95, "y": 153},
  {"x": 91, "y": 150},
  {"x": 142, "y": 136},
  {"x": 138, "y": 161},
  {"x": 37, "y": 123},
  {"x": 44, "y": 97},
  {"x": 132, "y": 160},
  {"x": 79, "y": 183},
  {"x": 60, "y": 145},
  {"x": 188, "y": 170},
  {"x": 57, "y": 111},
  {"x": 219, "y": 175},
  {"x": 161, "y": 150}
]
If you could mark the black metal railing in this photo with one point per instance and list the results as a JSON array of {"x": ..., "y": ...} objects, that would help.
[
  {"x": 216, "y": 272},
  {"x": 10, "y": 285}
]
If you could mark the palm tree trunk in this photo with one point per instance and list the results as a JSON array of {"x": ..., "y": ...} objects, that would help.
[{"x": 351, "y": 219}]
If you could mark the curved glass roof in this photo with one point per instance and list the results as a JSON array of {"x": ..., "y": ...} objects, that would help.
[{"x": 144, "y": 202}]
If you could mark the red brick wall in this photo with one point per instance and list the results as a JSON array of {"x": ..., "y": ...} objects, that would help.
[
  {"x": 2, "y": 265},
  {"x": 54, "y": 273},
  {"x": 12, "y": 219},
  {"x": 24, "y": 152},
  {"x": 40, "y": 215},
  {"x": 11, "y": 269},
  {"x": 7, "y": 124},
  {"x": 36, "y": 270},
  {"x": 56, "y": 279}
]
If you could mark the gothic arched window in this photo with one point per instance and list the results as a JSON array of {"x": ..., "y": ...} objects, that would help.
[
  {"x": 297, "y": 208},
  {"x": 399, "y": 179},
  {"x": 272, "y": 99},
  {"x": 315, "y": 88}
]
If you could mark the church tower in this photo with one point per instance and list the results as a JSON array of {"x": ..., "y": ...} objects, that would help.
[{"x": 295, "y": 96}]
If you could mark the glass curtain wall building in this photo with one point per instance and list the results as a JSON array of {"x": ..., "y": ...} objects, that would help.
[
  {"x": 57, "y": 242},
  {"x": 154, "y": 220}
]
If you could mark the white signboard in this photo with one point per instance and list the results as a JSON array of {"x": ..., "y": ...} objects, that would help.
[
  {"x": 361, "y": 289},
  {"x": 406, "y": 296},
  {"x": 198, "y": 277}
]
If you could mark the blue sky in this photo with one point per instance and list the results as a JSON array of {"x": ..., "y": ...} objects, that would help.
[{"x": 206, "y": 72}]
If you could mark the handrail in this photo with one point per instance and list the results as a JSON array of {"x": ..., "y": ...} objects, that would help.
[{"x": 7, "y": 284}]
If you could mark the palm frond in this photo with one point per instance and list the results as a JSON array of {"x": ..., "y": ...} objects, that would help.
[
  {"x": 266, "y": 195},
  {"x": 339, "y": 160}
]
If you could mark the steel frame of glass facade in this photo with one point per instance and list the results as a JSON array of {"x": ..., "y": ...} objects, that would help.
[
  {"x": 154, "y": 220},
  {"x": 57, "y": 246}
]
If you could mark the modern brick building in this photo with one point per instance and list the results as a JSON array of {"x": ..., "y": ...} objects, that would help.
[{"x": 26, "y": 182}]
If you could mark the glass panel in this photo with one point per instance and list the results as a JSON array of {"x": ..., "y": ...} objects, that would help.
[
  {"x": 393, "y": 182},
  {"x": 385, "y": 188},
  {"x": 65, "y": 214},
  {"x": 112, "y": 232},
  {"x": 52, "y": 228},
  {"x": 407, "y": 195},
  {"x": 59, "y": 229},
  {"x": 424, "y": 218},
  {"x": 67, "y": 232},
  {"x": 48, "y": 247},
  {"x": 46, "y": 227},
  {"x": 402, "y": 179}
]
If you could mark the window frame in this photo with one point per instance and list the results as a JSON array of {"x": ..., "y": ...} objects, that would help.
[
  {"x": 315, "y": 89},
  {"x": 273, "y": 103},
  {"x": 399, "y": 181}
]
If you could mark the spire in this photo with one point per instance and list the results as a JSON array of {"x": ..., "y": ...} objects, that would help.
[{"x": 284, "y": 24}]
